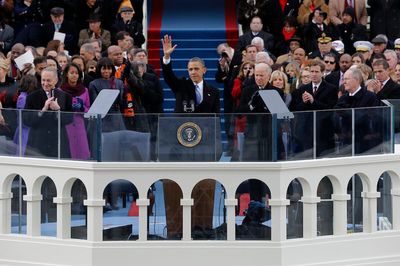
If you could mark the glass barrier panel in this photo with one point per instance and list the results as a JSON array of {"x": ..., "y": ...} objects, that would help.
[
  {"x": 296, "y": 137},
  {"x": 396, "y": 119},
  {"x": 189, "y": 138},
  {"x": 333, "y": 133},
  {"x": 43, "y": 136},
  {"x": 128, "y": 139},
  {"x": 8, "y": 129},
  {"x": 372, "y": 131}
]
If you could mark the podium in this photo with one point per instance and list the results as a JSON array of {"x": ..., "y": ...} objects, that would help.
[{"x": 189, "y": 139}]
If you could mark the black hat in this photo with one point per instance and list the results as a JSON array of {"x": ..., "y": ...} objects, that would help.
[
  {"x": 350, "y": 11},
  {"x": 94, "y": 18},
  {"x": 57, "y": 11},
  {"x": 294, "y": 38},
  {"x": 323, "y": 13}
]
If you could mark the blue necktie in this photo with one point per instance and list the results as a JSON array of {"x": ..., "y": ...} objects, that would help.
[{"x": 198, "y": 95}]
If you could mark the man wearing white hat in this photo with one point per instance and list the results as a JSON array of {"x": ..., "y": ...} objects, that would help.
[
  {"x": 365, "y": 48},
  {"x": 397, "y": 47}
]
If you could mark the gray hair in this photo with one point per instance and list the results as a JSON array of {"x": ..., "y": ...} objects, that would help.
[
  {"x": 257, "y": 40},
  {"x": 357, "y": 74},
  {"x": 51, "y": 70},
  {"x": 264, "y": 66},
  {"x": 262, "y": 57},
  {"x": 88, "y": 47}
]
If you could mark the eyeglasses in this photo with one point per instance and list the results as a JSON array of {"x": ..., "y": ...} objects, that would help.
[
  {"x": 305, "y": 77},
  {"x": 330, "y": 62}
]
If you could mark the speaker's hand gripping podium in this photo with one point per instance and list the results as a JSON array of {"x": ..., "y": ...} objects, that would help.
[
  {"x": 99, "y": 109},
  {"x": 278, "y": 110}
]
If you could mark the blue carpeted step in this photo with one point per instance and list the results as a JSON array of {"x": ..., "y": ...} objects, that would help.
[
  {"x": 194, "y": 52},
  {"x": 191, "y": 43},
  {"x": 182, "y": 62}
]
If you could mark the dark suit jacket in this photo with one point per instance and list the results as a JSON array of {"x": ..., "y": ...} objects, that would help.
[
  {"x": 68, "y": 28},
  {"x": 391, "y": 90},
  {"x": 246, "y": 38},
  {"x": 325, "y": 97},
  {"x": 43, "y": 134},
  {"x": 363, "y": 98},
  {"x": 333, "y": 78},
  {"x": 184, "y": 90}
]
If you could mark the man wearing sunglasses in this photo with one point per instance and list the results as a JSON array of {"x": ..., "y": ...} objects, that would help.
[{"x": 330, "y": 64}]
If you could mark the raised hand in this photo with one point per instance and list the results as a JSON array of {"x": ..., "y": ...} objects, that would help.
[{"x": 167, "y": 46}]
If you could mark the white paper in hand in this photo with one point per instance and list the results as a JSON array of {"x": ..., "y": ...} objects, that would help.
[
  {"x": 59, "y": 36},
  {"x": 26, "y": 58}
]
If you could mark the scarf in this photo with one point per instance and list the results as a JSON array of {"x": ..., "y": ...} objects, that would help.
[
  {"x": 77, "y": 90},
  {"x": 287, "y": 35}
]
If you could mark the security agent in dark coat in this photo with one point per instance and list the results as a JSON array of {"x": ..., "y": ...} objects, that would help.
[
  {"x": 317, "y": 95},
  {"x": 368, "y": 123},
  {"x": 43, "y": 134},
  {"x": 186, "y": 100}
]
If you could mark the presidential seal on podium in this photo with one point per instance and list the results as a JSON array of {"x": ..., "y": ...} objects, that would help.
[{"x": 189, "y": 134}]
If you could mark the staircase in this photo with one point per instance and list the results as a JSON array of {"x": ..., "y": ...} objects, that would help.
[{"x": 197, "y": 27}]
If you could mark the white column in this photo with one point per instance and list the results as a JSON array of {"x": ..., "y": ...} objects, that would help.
[
  {"x": 5, "y": 213},
  {"x": 142, "y": 204},
  {"x": 187, "y": 219},
  {"x": 278, "y": 219},
  {"x": 340, "y": 213},
  {"x": 310, "y": 216},
  {"x": 370, "y": 210},
  {"x": 230, "y": 205},
  {"x": 94, "y": 219},
  {"x": 63, "y": 217},
  {"x": 396, "y": 209},
  {"x": 33, "y": 213}
]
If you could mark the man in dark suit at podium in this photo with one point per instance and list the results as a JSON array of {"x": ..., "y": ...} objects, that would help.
[{"x": 192, "y": 95}]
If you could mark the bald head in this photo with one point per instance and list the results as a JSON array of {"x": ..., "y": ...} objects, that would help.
[{"x": 115, "y": 54}]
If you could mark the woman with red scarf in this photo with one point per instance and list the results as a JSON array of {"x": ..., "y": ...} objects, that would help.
[
  {"x": 289, "y": 30},
  {"x": 76, "y": 131}
]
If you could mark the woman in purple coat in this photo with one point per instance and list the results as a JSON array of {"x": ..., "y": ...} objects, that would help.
[
  {"x": 27, "y": 84},
  {"x": 76, "y": 131}
]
